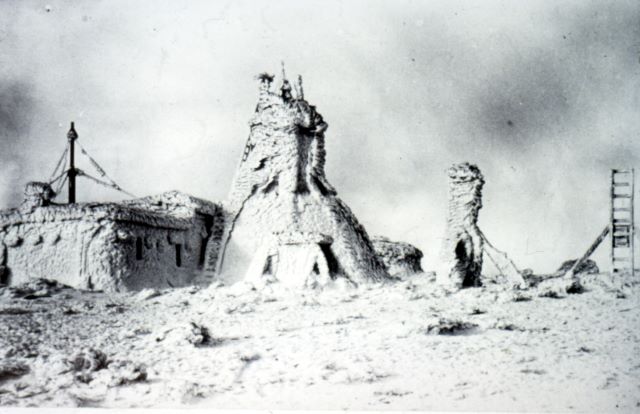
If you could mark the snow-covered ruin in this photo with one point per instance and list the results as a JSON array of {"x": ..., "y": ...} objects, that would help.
[
  {"x": 282, "y": 221},
  {"x": 155, "y": 241},
  {"x": 463, "y": 243},
  {"x": 284, "y": 218}
]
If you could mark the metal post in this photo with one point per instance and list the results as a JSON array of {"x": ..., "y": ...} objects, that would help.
[
  {"x": 72, "y": 135},
  {"x": 633, "y": 224}
]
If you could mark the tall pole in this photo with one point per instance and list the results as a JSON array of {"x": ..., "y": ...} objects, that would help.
[
  {"x": 633, "y": 225},
  {"x": 72, "y": 135}
]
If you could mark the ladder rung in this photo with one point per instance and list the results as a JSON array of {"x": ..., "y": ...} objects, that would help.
[
  {"x": 621, "y": 195},
  {"x": 622, "y": 209},
  {"x": 621, "y": 259},
  {"x": 621, "y": 221},
  {"x": 621, "y": 171},
  {"x": 618, "y": 184}
]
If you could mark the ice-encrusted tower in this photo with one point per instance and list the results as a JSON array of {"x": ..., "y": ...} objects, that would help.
[
  {"x": 283, "y": 219},
  {"x": 463, "y": 244}
]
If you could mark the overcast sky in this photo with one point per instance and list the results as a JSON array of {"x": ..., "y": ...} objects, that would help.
[{"x": 543, "y": 96}]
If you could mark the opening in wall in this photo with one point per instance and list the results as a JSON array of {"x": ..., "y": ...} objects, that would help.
[
  {"x": 178, "y": 255},
  {"x": 139, "y": 248},
  {"x": 332, "y": 261},
  {"x": 203, "y": 251}
]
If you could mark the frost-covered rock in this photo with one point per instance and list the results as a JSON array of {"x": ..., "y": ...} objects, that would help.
[
  {"x": 10, "y": 370},
  {"x": 588, "y": 267},
  {"x": 400, "y": 258}
]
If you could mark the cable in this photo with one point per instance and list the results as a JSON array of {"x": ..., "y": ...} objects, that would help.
[
  {"x": 57, "y": 190},
  {"x": 104, "y": 183},
  {"x": 111, "y": 183},
  {"x": 94, "y": 162},
  {"x": 62, "y": 174},
  {"x": 60, "y": 161}
]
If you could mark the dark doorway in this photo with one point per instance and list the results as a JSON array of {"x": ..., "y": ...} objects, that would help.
[
  {"x": 332, "y": 261},
  {"x": 139, "y": 248},
  {"x": 178, "y": 255},
  {"x": 466, "y": 266},
  {"x": 203, "y": 251},
  {"x": 268, "y": 266}
]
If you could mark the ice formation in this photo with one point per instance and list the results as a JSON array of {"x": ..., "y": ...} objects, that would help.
[
  {"x": 284, "y": 219},
  {"x": 463, "y": 243}
]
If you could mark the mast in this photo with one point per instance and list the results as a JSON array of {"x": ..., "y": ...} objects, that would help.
[{"x": 72, "y": 135}]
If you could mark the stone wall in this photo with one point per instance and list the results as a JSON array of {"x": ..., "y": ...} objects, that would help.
[
  {"x": 104, "y": 246},
  {"x": 145, "y": 256},
  {"x": 463, "y": 246},
  {"x": 50, "y": 250}
]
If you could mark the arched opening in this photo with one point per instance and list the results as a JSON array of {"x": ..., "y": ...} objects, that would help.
[{"x": 470, "y": 276}]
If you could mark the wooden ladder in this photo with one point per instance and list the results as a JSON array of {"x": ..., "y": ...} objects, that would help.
[{"x": 622, "y": 223}]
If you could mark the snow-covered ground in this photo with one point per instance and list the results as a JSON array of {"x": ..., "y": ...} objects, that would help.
[{"x": 403, "y": 346}]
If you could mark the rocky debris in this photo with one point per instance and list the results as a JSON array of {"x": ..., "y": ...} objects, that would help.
[
  {"x": 249, "y": 358},
  {"x": 127, "y": 372},
  {"x": 199, "y": 335},
  {"x": 192, "y": 333},
  {"x": 463, "y": 245},
  {"x": 400, "y": 258},
  {"x": 16, "y": 311},
  {"x": 588, "y": 267},
  {"x": 34, "y": 289},
  {"x": 448, "y": 326},
  {"x": 88, "y": 360},
  {"x": 10, "y": 370},
  {"x": 558, "y": 287}
]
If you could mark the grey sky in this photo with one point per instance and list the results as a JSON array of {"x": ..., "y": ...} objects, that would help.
[{"x": 543, "y": 96}]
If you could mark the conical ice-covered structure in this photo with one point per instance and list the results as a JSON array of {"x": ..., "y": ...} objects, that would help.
[{"x": 283, "y": 219}]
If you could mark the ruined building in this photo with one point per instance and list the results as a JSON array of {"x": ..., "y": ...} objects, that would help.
[
  {"x": 159, "y": 241},
  {"x": 463, "y": 243},
  {"x": 282, "y": 221}
]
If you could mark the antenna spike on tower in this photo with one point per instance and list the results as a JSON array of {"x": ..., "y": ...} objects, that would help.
[
  {"x": 299, "y": 88},
  {"x": 284, "y": 74}
]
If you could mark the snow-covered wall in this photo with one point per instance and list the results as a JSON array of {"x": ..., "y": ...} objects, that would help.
[{"x": 104, "y": 246}]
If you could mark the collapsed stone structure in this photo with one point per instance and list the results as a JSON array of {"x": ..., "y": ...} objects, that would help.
[
  {"x": 156, "y": 241},
  {"x": 284, "y": 219},
  {"x": 400, "y": 258},
  {"x": 463, "y": 244}
]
